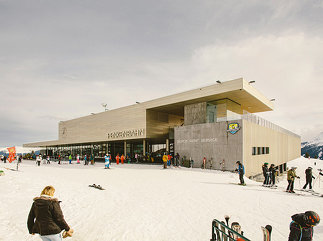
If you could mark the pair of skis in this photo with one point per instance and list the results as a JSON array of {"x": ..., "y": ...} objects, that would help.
[
  {"x": 312, "y": 192},
  {"x": 267, "y": 232},
  {"x": 97, "y": 186}
]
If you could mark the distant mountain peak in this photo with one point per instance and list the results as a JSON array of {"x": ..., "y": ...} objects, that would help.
[{"x": 314, "y": 147}]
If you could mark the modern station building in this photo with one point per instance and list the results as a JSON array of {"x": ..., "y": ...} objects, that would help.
[{"x": 215, "y": 122}]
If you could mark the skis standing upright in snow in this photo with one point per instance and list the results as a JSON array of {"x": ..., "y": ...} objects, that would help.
[{"x": 267, "y": 232}]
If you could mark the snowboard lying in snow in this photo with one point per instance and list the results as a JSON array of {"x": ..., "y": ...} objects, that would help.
[{"x": 97, "y": 186}]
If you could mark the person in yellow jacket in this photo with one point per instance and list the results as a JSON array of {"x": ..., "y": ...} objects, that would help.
[
  {"x": 291, "y": 175},
  {"x": 165, "y": 159}
]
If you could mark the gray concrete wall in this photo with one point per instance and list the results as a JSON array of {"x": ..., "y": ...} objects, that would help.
[
  {"x": 210, "y": 140},
  {"x": 195, "y": 114}
]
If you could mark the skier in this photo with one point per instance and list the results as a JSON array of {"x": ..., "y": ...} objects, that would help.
[
  {"x": 91, "y": 160},
  {"x": 240, "y": 170},
  {"x": 165, "y": 159},
  {"x": 122, "y": 159},
  {"x": 222, "y": 164},
  {"x": 291, "y": 175},
  {"x": 46, "y": 217},
  {"x": 191, "y": 162},
  {"x": 309, "y": 177},
  {"x": 136, "y": 157},
  {"x": 38, "y": 159},
  {"x": 177, "y": 159},
  {"x": 204, "y": 163},
  {"x": 273, "y": 171},
  {"x": 301, "y": 228},
  {"x": 85, "y": 159},
  {"x": 78, "y": 159},
  {"x": 117, "y": 159},
  {"x": 59, "y": 159},
  {"x": 265, "y": 172},
  {"x": 48, "y": 160},
  {"x": 169, "y": 157},
  {"x": 70, "y": 159},
  {"x": 107, "y": 161}
]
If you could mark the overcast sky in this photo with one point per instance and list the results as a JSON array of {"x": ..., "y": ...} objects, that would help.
[{"x": 62, "y": 59}]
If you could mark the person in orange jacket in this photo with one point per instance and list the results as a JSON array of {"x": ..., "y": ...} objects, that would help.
[
  {"x": 122, "y": 159},
  {"x": 165, "y": 159},
  {"x": 117, "y": 159}
]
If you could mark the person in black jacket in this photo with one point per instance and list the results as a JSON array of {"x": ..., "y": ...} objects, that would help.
[
  {"x": 273, "y": 171},
  {"x": 46, "y": 217},
  {"x": 240, "y": 170},
  {"x": 309, "y": 177},
  {"x": 301, "y": 228},
  {"x": 265, "y": 172}
]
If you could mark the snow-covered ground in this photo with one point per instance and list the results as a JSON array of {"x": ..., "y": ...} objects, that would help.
[{"x": 143, "y": 202}]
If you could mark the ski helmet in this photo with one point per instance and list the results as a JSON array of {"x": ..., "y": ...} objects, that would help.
[{"x": 312, "y": 218}]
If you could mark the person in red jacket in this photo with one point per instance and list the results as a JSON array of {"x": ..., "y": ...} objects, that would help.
[
  {"x": 117, "y": 159},
  {"x": 122, "y": 159}
]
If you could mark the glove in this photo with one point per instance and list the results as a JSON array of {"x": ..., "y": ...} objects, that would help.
[
  {"x": 68, "y": 233},
  {"x": 298, "y": 177}
]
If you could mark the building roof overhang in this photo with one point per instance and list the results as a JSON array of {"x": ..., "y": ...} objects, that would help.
[{"x": 239, "y": 91}]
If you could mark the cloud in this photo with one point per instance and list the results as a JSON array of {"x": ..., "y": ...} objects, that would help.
[
  {"x": 285, "y": 67},
  {"x": 62, "y": 60}
]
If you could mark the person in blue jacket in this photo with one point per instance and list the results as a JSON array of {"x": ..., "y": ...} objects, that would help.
[
  {"x": 240, "y": 170},
  {"x": 107, "y": 161}
]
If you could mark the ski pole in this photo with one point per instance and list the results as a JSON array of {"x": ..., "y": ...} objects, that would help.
[{"x": 317, "y": 177}]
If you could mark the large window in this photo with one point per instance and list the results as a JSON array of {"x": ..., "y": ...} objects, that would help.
[{"x": 260, "y": 150}]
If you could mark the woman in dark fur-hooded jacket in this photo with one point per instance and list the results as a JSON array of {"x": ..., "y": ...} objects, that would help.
[{"x": 46, "y": 217}]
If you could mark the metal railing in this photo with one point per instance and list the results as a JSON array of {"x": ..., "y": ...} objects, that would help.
[
  {"x": 257, "y": 120},
  {"x": 221, "y": 232}
]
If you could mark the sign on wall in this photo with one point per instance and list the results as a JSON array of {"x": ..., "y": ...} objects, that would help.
[
  {"x": 233, "y": 128},
  {"x": 126, "y": 134}
]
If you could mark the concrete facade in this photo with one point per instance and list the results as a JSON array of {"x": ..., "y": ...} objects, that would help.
[
  {"x": 195, "y": 114},
  {"x": 210, "y": 140}
]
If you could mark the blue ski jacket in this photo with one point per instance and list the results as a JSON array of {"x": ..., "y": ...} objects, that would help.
[{"x": 241, "y": 169}]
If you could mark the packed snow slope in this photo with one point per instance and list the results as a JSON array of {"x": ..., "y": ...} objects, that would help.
[{"x": 143, "y": 202}]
